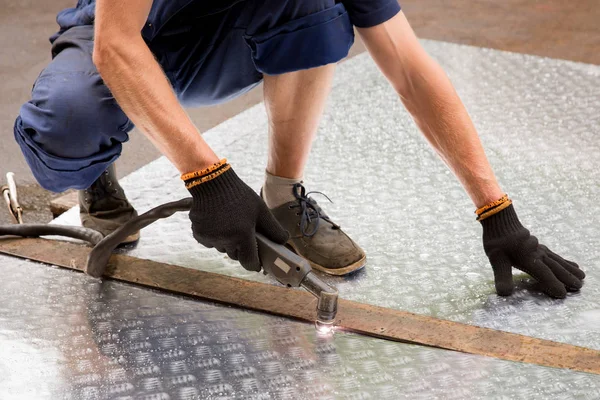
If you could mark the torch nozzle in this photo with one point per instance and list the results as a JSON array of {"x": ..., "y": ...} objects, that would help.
[{"x": 327, "y": 298}]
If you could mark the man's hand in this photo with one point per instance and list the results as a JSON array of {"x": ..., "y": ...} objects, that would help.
[
  {"x": 508, "y": 244},
  {"x": 227, "y": 213}
]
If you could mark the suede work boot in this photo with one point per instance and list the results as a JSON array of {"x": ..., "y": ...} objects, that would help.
[
  {"x": 104, "y": 206},
  {"x": 316, "y": 238}
]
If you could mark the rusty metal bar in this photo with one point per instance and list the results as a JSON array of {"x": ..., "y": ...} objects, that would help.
[{"x": 352, "y": 316}]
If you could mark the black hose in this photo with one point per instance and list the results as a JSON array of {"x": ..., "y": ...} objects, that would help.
[
  {"x": 34, "y": 230},
  {"x": 100, "y": 254},
  {"x": 103, "y": 248}
]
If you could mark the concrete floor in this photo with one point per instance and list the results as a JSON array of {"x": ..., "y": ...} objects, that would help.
[{"x": 551, "y": 28}]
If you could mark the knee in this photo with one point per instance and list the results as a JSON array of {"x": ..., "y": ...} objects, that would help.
[
  {"x": 70, "y": 130},
  {"x": 73, "y": 115}
]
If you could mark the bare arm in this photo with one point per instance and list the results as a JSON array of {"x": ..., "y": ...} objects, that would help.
[
  {"x": 140, "y": 87},
  {"x": 431, "y": 99}
]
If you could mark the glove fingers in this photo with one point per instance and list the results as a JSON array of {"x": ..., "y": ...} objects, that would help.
[
  {"x": 502, "y": 268},
  {"x": 543, "y": 274},
  {"x": 221, "y": 249},
  {"x": 268, "y": 226},
  {"x": 570, "y": 281},
  {"x": 233, "y": 254},
  {"x": 203, "y": 241},
  {"x": 579, "y": 274},
  {"x": 247, "y": 254},
  {"x": 569, "y": 265}
]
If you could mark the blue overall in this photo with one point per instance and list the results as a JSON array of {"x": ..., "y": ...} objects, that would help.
[{"x": 72, "y": 129}]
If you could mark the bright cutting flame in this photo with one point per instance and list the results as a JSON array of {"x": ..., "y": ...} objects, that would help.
[{"x": 324, "y": 328}]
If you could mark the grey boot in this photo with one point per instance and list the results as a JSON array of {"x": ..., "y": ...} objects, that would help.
[{"x": 104, "y": 206}]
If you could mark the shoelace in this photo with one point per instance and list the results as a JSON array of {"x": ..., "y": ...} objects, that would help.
[
  {"x": 309, "y": 210},
  {"x": 100, "y": 189}
]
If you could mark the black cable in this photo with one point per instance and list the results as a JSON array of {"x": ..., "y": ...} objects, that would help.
[
  {"x": 100, "y": 254},
  {"x": 34, "y": 230}
]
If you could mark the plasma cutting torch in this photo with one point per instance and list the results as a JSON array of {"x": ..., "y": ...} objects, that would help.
[{"x": 284, "y": 265}]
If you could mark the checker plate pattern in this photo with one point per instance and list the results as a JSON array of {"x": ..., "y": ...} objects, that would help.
[
  {"x": 538, "y": 120},
  {"x": 73, "y": 337}
]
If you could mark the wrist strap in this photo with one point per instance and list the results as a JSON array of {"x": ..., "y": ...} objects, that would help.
[{"x": 493, "y": 208}]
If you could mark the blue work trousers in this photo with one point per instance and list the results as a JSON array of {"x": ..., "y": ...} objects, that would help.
[{"x": 72, "y": 129}]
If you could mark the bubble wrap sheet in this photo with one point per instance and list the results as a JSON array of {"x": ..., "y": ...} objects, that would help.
[{"x": 72, "y": 337}]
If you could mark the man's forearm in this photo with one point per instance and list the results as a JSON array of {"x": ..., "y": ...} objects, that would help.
[
  {"x": 139, "y": 85},
  {"x": 432, "y": 101},
  {"x": 444, "y": 121}
]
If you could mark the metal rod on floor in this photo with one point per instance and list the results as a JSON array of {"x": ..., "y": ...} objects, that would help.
[{"x": 9, "y": 192}]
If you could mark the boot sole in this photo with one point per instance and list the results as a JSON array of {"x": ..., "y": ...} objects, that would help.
[
  {"x": 355, "y": 266},
  {"x": 134, "y": 237}
]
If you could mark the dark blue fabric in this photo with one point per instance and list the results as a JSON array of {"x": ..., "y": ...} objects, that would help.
[
  {"x": 368, "y": 13},
  {"x": 72, "y": 128},
  {"x": 311, "y": 41},
  {"x": 80, "y": 15},
  {"x": 210, "y": 60},
  {"x": 205, "y": 56},
  {"x": 163, "y": 11}
]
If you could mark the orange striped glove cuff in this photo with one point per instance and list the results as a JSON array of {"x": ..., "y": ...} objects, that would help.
[
  {"x": 196, "y": 178},
  {"x": 493, "y": 208}
]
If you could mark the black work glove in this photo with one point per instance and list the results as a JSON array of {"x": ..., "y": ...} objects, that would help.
[
  {"x": 508, "y": 244},
  {"x": 226, "y": 214}
]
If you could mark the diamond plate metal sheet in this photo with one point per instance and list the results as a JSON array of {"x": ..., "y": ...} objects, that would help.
[
  {"x": 538, "y": 120},
  {"x": 68, "y": 336}
]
